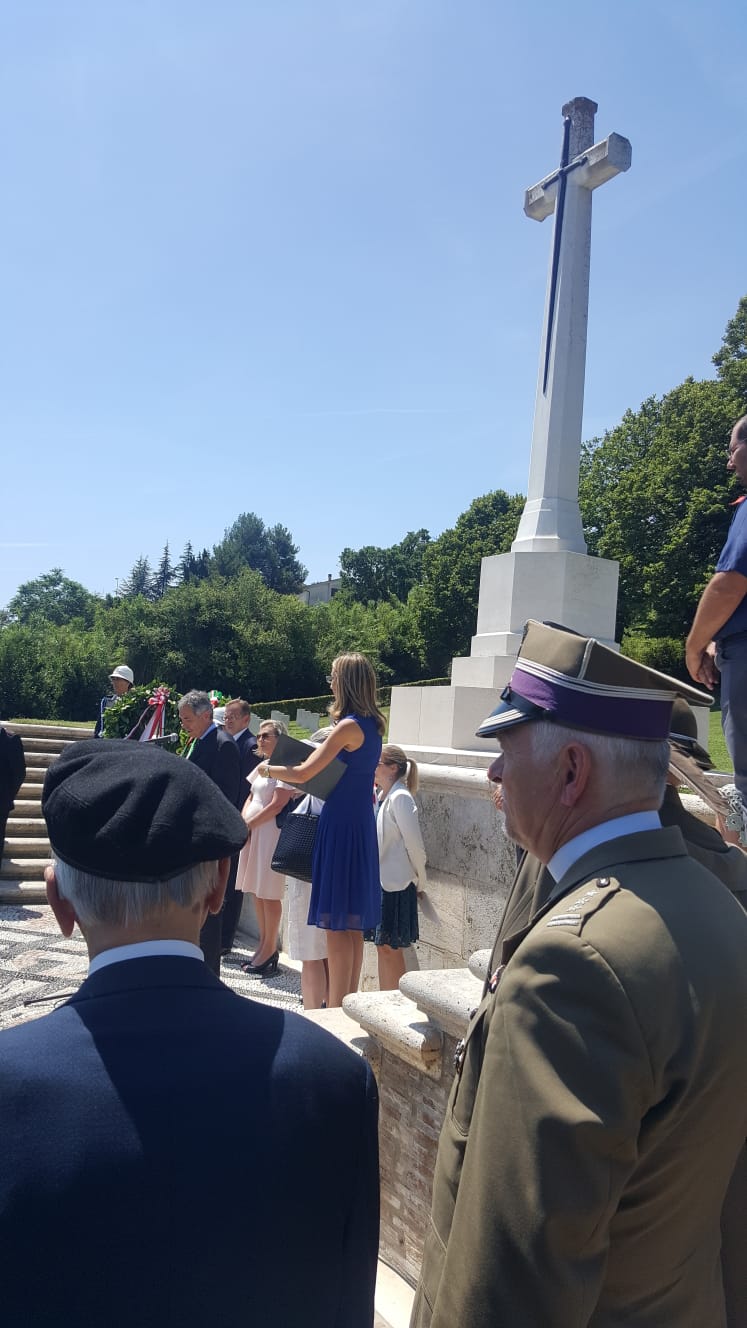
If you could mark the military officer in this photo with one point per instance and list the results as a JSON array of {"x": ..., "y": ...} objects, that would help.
[{"x": 599, "y": 1106}]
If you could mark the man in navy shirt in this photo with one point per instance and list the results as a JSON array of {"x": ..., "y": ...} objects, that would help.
[{"x": 717, "y": 643}]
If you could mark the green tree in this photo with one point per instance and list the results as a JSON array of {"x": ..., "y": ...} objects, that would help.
[
  {"x": 444, "y": 604},
  {"x": 165, "y": 574},
  {"x": 249, "y": 543},
  {"x": 52, "y": 598},
  {"x": 139, "y": 582},
  {"x": 731, "y": 359},
  {"x": 387, "y": 632},
  {"x": 374, "y": 573},
  {"x": 654, "y": 496}
]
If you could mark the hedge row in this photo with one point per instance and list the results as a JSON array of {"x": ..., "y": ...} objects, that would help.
[{"x": 320, "y": 704}]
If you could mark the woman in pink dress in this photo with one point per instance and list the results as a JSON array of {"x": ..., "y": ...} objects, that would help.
[{"x": 255, "y": 875}]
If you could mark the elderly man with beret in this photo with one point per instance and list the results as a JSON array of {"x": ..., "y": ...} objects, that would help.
[
  {"x": 600, "y": 1102},
  {"x": 112, "y": 1107}
]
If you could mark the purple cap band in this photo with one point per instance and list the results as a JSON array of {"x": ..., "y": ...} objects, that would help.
[{"x": 627, "y": 717}]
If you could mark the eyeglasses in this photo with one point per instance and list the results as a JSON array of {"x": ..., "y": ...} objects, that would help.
[{"x": 331, "y": 678}]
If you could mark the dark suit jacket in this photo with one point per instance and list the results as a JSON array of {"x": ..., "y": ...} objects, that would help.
[
  {"x": 112, "y": 1212},
  {"x": 12, "y": 769},
  {"x": 247, "y": 745},
  {"x": 218, "y": 755}
]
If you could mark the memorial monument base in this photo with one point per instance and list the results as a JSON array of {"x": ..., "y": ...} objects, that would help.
[{"x": 571, "y": 589}]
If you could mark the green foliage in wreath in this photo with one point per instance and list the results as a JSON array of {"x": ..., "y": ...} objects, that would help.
[{"x": 123, "y": 714}]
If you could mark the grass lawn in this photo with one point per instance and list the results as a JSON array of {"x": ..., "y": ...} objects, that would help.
[
  {"x": 716, "y": 745},
  {"x": 75, "y": 723}
]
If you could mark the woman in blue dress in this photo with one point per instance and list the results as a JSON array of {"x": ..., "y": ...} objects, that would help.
[{"x": 345, "y": 882}]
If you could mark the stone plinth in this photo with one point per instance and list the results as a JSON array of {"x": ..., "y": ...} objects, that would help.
[
  {"x": 446, "y": 998},
  {"x": 441, "y": 716},
  {"x": 567, "y": 588},
  {"x": 397, "y": 1025}
]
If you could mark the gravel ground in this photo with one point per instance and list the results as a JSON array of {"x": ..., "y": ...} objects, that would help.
[{"x": 38, "y": 967}]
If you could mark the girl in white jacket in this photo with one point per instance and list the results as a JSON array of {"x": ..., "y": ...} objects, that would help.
[{"x": 401, "y": 863}]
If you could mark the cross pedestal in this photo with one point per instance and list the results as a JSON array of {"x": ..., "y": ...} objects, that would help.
[{"x": 547, "y": 574}]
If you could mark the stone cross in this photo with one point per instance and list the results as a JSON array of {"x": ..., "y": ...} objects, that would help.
[{"x": 551, "y": 520}]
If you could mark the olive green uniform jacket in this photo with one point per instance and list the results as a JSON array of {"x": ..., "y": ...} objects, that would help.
[{"x": 601, "y": 1105}]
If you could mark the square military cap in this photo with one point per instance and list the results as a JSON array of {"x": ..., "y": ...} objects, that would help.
[
  {"x": 579, "y": 682},
  {"x": 130, "y": 811}
]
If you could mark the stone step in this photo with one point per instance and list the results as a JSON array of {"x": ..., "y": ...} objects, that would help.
[
  {"x": 22, "y": 892},
  {"x": 31, "y": 793},
  {"x": 71, "y": 732},
  {"x": 25, "y": 826},
  {"x": 23, "y": 869},
  {"x": 34, "y": 777},
  {"x": 51, "y": 745},
  {"x": 39, "y": 760},
  {"x": 27, "y": 806},
  {"x": 26, "y": 847}
]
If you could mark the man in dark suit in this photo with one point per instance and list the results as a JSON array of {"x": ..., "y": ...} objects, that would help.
[
  {"x": 237, "y": 716},
  {"x": 216, "y": 753},
  {"x": 112, "y": 1105},
  {"x": 12, "y": 775}
]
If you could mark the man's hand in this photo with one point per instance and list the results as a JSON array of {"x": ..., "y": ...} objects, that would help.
[{"x": 701, "y": 665}]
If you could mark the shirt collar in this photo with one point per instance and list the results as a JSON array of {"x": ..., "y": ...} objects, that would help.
[
  {"x": 144, "y": 950},
  {"x": 570, "y": 852}
]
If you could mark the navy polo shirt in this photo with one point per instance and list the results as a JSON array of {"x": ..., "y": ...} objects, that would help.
[{"x": 734, "y": 559}]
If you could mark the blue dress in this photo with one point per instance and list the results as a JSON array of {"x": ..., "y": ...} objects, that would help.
[{"x": 345, "y": 883}]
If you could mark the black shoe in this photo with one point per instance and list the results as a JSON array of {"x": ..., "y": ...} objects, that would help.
[{"x": 265, "y": 970}]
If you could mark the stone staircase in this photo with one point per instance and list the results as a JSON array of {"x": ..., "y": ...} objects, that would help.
[{"x": 27, "y": 851}]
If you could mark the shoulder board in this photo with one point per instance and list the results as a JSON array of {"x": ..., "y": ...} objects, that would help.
[{"x": 571, "y": 912}]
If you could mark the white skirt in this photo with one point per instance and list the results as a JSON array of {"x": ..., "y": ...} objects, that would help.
[{"x": 303, "y": 941}]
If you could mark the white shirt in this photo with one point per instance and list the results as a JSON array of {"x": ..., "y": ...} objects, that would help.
[
  {"x": 575, "y": 848},
  {"x": 144, "y": 950}
]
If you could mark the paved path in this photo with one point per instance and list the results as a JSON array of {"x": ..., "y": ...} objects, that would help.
[{"x": 37, "y": 964}]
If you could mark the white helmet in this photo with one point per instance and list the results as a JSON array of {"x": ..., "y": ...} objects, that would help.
[{"x": 123, "y": 671}]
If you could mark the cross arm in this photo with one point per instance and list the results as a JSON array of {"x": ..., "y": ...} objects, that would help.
[{"x": 594, "y": 167}]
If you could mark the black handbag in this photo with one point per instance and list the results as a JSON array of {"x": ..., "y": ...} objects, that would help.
[
  {"x": 287, "y": 811},
  {"x": 295, "y": 847}
]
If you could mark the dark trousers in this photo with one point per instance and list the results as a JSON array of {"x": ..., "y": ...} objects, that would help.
[
  {"x": 4, "y": 814},
  {"x": 231, "y": 907},
  {"x": 731, "y": 658}
]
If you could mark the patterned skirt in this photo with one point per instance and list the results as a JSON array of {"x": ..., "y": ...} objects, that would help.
[{"x": 399, "y": 919}]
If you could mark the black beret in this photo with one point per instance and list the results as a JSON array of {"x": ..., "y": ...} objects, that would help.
[{"x": 130, "y": 811}]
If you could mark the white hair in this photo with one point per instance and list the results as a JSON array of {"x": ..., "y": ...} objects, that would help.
[
  {"x": 635, "y": 767},
  {"x": 127, "y": 903}
]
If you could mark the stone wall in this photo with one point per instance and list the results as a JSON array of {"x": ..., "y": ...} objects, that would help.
[{"x": 411, "y": 1039}]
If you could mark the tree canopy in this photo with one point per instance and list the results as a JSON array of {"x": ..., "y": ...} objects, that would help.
[
  {"x": 655, "y": 494},
  {"x": 52, "y": 598},
  {"x": 267, "y": 550},
  {"x": 372, "y": 573}
]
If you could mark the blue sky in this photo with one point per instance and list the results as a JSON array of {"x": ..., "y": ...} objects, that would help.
[{"x": 272, "y": 257}]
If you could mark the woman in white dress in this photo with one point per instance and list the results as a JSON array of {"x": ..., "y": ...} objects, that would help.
[{"x": 255, "y": 875}]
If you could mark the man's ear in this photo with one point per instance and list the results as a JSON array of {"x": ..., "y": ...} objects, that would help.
[
  {"x": 214, "y": 899},
  {"x": 62, "y": 908},
  {"x": 575, "y": 774}
]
